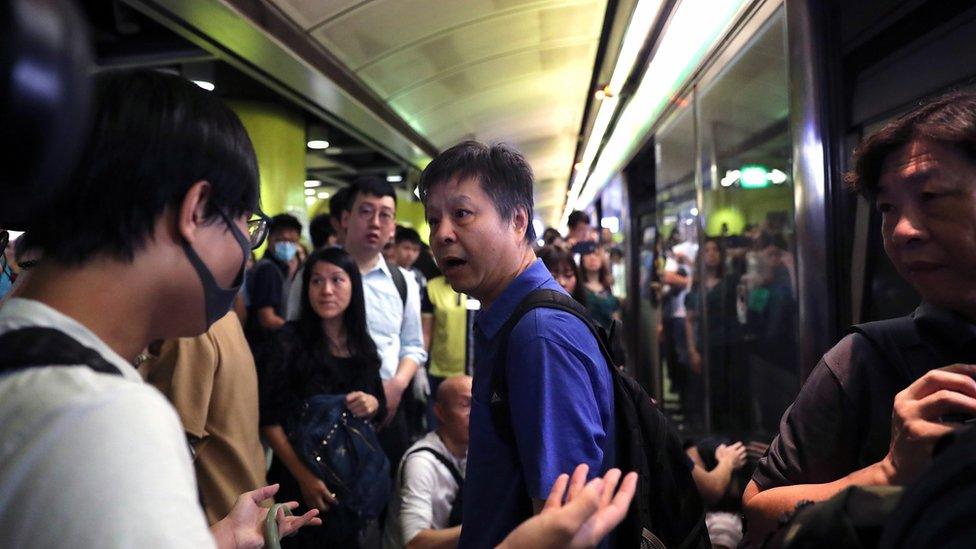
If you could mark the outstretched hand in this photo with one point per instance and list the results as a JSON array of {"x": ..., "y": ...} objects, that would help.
[
  {"x": 243, "y": 527},
  {"x": 591, "y": 510}
]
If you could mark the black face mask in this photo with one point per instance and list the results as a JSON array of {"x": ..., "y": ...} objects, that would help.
[{"x": 218, "y": 300}]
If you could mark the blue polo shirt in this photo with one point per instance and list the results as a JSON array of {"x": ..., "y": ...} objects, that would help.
[{"x": 561, "y": 398}]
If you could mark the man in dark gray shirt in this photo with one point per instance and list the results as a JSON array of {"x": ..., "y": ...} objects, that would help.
[{"x": 867, "y": 416}]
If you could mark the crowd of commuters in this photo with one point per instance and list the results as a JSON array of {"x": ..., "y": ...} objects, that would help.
[
  {"x": 144, "y": 265},
  {"x": 146, "y": 270}
]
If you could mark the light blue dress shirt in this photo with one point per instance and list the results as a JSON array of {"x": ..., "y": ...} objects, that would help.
[{"x": 395, "y": 328}]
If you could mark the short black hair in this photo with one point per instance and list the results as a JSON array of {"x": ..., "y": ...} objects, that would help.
[
  {"x": 406, "y": 234},
  {"x": 371, "y": 185},
  {"x": 949, "y": 119},
  {"x": 550, "y": 235},
  {"x": 284, "y": 222},
  {"x": 320, "y": 229},
  {"x": 339, "y": 202},
  {"x": 503, "y": 172},
  {"x": 153, "y": 135},
  {"x": 578, "y": 217}
]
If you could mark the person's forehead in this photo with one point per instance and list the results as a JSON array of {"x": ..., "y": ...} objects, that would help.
[
  {"x": 285, "y": 233},
  {"x": 325, "y": 268},
  {"x": 466, "y": 189},
  {"x": 375, "y": 201},
  {"x": 911, "y": 158}
]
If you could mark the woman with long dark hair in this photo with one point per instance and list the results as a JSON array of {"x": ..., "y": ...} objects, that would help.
[
  {"x": 562, "y": 267},
  {"x": 715, "y": 339},
  {"x": 604, "y": 307},
  {"x": 328, "y": 350}
]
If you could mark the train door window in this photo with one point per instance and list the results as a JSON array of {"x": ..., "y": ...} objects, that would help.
[
  {"x": 674, "y": 251},
  {"x": 742, "y": 306}
]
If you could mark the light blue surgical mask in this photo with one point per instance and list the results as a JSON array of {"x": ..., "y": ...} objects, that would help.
[{"x": 285, "y": 251}]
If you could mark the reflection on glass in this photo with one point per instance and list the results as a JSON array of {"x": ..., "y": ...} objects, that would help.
[
  {"x": 676, "y": 249},
  {"x": 741, "y": 309}
]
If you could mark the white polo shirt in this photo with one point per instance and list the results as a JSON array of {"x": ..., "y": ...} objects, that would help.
[
  {"x": 425, "y": 492},
  {"x": 91, "y": 460}
]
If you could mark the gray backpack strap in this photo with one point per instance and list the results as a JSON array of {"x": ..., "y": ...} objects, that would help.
[{"x": 399, "y": 281}]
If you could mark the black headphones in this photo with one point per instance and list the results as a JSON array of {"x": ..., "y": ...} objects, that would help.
[{"x": 45, "y": 64}]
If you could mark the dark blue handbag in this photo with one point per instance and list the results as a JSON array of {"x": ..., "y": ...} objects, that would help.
[{"x": 344, "y": 452}]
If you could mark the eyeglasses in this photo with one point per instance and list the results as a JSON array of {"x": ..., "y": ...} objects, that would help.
[{"x": 257, "y": 229}]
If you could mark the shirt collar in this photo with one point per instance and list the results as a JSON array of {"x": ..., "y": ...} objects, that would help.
[
  {"x": 21, "y": 313},
  {"x": 380, "y": 265},
  {"x": 945, "y": 325},
  {"x": 490, "y": 320}
]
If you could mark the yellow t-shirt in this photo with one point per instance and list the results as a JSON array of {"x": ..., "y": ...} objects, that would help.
[{"x": 449, "y": 340}]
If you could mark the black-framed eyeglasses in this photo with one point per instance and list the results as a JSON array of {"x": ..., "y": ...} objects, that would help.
[{"x": 257, "y": 229}]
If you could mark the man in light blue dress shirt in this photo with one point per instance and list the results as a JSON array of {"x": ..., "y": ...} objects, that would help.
[{"x": 369, "y": 222}]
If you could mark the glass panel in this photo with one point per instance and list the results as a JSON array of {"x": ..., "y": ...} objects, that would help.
[
  {"x": 742, "y": 305},
  {"x": 675, "y": 250}
]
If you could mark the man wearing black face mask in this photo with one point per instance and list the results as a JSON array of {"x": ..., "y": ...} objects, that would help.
[{"x": 147, "y": 242}]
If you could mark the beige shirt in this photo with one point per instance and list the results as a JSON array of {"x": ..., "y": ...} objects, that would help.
[{"x": 212, "y": 383}]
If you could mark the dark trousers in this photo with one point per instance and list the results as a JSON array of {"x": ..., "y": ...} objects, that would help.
[{"x": 395, "y": 439}]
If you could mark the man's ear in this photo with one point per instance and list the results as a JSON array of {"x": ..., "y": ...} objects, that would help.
[
  {"x": 192, "y": 212},
  {"x": 520, "y": 222},
  {"x": 344, "y": 219}
]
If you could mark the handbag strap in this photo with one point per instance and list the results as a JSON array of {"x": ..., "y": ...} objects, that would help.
[{"x": 272, "y": 538}]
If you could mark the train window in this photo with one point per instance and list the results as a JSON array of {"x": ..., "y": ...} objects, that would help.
[
  {"x": 742, "y": 307},
  {"x": 674, "y": 251}
]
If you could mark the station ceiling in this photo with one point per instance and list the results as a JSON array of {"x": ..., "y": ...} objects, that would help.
[{"x": 515, "y": 71}]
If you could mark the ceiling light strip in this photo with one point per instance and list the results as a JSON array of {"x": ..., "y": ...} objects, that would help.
[
  {"x": 691, "y": 33},
  {"x": 641, "y": 21}
]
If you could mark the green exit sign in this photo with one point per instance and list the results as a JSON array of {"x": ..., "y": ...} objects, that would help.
[{"x": 753, "y": 177}]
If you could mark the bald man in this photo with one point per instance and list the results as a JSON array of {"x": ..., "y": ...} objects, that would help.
[{"x": 426, "y": 511}]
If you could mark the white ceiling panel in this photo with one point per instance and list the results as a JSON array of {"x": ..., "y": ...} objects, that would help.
[{"x": 515, "y": 71}]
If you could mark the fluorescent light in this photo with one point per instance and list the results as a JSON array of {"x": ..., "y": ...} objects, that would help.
[
  {"x": 777, "y": 177},
  {"x": 690, "y": 34},
  {"x": 416, "y": 192},
  {"x": 641, "y": 21},
  {"x": 394, "y": 178},
  {"x": 209, "y": 86},
  {"x": 323, "y": 195},
  {"x": 312, "y": 183},
  {"x": 309, "y": 200},
  {"x": 318, "y": 144},
  {"x": 309, "y": 192}
]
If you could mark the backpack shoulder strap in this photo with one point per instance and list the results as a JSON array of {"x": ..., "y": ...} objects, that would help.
[
  {"x": 441, "y": 458},
  {"x": 897, "y": 341},
  {"x": 398, "y": 280},
  {"x": 38, "y": 346},
  {"x": 551, "y": 299}
]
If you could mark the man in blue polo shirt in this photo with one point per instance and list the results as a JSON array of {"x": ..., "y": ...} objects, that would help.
[{"x": 479, "y": 204}]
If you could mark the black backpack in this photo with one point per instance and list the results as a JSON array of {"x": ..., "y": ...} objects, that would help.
[{"x": 667, "y": 511}]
